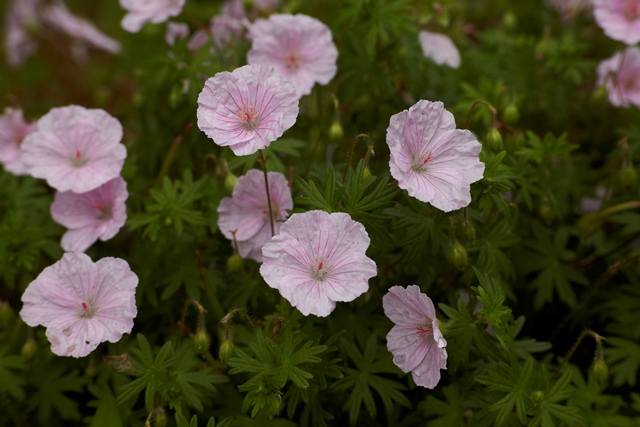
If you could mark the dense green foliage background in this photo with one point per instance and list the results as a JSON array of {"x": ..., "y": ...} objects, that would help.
[{"x": 553, "y": 278}]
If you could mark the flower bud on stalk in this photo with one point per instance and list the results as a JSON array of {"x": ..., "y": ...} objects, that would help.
[
  {"x": 494, "y": 139},
  {"x": 202, "y": 341},
  {"x": 458, "y": 256},
  {"x": 335, "y": 131},
  {"x": 226, "y": 351},
  {"x": 29, "y": 349},
  {"x": 230, "y": 182},
  {"x": 234, "y": 263},
  {"x": 600, "y": 370},
  {"x": 510, "y": 115},
  {"x": 469, "y": 231},
  {"x": 628, "y": 177}
]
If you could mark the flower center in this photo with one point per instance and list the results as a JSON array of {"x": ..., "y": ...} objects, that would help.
[
  {"x": 274, "y": 208},
  {"x": 105, "y": 210},
  {"x": 87, "y": 311},
  {"x": 631, "y": 10},
  {"x": 424, "y": 330},
  {"x": 78, "y": 160},
  {"x": 249, "y": 117},
  {"x": 419, "y": 164},
  {"x": 320, "y": 269},
  {"x": 292, "y": 59}
]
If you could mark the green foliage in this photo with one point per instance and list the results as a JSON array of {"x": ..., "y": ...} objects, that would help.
[{"x": 12, "y": 382}]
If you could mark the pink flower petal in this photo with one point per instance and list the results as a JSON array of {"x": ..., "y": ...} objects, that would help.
[{"x": 440, "y": 48}]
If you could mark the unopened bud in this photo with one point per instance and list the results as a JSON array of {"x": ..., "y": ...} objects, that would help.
[
  {"x": 494, "y": 139},
  {"x": 510, "y": 115},
  {"x": 159, "y": 417},
  {"x": 366, "y": 174},
  {"x": 335, "y": 131},
  {"x": 234, "y": 263},
  {"x": 537, "y": 396},
  {"x": 29, "y": 349},
  {"x": 600, "y": 370},
  {"x": 628, "y": 177},
  {"x": 6, "y": 314},
  {"x": 458, "y": 256},
  {"x": 202, "y": 341},
  {"x": 168, "y": 221},
  {"x": 226, "y": 351},
  {"x": 510, "y": 20},
  {"x": 230, "y": 182},
  {"x": 469, "y": 232}
]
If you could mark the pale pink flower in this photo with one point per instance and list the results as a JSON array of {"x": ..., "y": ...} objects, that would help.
[
  {"x": 620, "y": 19},
  {"x": 621, "y": 76},
  {"x": 247, "y": 109},
  {"x": 430, "y": 158},
  {"x": 142, "y": 11},
  {"x": 21, "y": 17},
  {"x": 229, "y": 24},
  {"x": 82, "y": 303},
  {"x": 318, "y": 259},
  {"x": 60, "y": 18},
  {"x": 13, "y": 130},
  {"x": 247, "y": 211},
  {"x": 75, "y": 149},
  {"x": 96, "y": 214},
  {"x": 175, "y": 31},
  {"x": 439, "y": 48},
  {"x": 299, "y": 47},
  {"x": 415, "y": 341}
]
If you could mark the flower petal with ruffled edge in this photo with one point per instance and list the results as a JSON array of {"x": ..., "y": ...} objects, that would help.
[
  {"x": 75, "y": 149},
  {"x": 142, "y": 11},
  {"x": 621, "y": 76},
  {"x": 13, "y": 130},
  {"x": 247, "y": 109},
  {"x": 299, "y": 47},
  {"x": 82, "y": 303},
  {"x": 432, "y": 160},
  {"x": 620, "y": 19},
  {"x": 439, "y": 48},
  {"x": 415, "y": 341},
  {"x": 318, "y": 259}
]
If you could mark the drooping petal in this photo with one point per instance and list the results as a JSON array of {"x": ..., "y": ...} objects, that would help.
[{"x": 440, "y": 48}]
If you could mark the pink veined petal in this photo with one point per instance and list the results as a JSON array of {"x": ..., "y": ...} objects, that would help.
[
  {"x": 439, "y": 48},
  {"x": 408, "y": 348},
  {"x": 307, "y": 295},
  {"x": 142, "y": 11},
  {"x": 620, "y": 19}
]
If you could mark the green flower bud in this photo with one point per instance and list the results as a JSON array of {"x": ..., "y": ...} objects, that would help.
[
  {"x": 600, "y": 370},
  {"x": 159, "y": 417},
  {"x": 29, "y": 349},
  {"x": 335, "y": 131},
  {"x": 168, "y": 221},
  {"x": 537, "y": 396},
  {"x": 469, "y": 231},
  {"x": 510, "y": 21},
  {"x": 230, "y": 182},
  {"x": 366, "y": 174},
  {"x": 6, "y": 314},
  {"x": 510, "y": 115},
  {"x": 234, "y": 263},
  {"x": 226, "y": 351},
  {"x": 458, "y": 256},
  {"x": 494, "y": 139},
  {"x": 628, "y": 177},
  {"x": 202, "y": 341}
]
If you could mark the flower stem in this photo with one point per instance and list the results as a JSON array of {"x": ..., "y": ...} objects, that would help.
[
  {"x": 266, "y": 183},
  {"x": 489, "y": 106},
  {"x": 168, "y": 159}
]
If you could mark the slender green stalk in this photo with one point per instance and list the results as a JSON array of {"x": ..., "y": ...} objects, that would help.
[{"x": 266, "y": 183}]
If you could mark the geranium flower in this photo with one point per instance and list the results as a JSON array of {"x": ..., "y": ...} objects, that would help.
[
  {"x": 318, "y": 259},
  {"x": 99, "y": 213},
  {"x": 75, "y": 149},
  {"x": 621, "y": 76},
  {"x": 415, "y": 341},
  {"x": 247, "y": 109},
  {"x": 13, "y": 130},
  {"x": 430, "y": 158},
  {"x": 82, "y": 303},
  {"x": 247, "y": 212},
  {"x": 620, "y": 19},
  {"x": 143, "y": 11},
  {"x": 439, "y": 48},
  {"x": 58, "y": 16},
  {"x": 298, "y": 46}
]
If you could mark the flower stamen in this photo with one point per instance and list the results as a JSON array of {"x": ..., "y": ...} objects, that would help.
[
  {"x": 292, "y": 59},
  {"x": 320, "y": 269},
  {"x": 249, "y": 118}
]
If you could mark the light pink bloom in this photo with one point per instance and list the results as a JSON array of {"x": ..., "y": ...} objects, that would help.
[
  {"x": 58, "y": 16},
  {"x": 415, "y": 341},
  {"x": 82, "y": 303},
  {"x": 430, "y": 158},
  {"x": 13, "y": 130},
  {"x": 620, "y": 19},
  {"x": 247, "y": 109},
  {"x": 621, "y": 76},
  {"x": 298, "y": 46},
  {"x": 229, "y": 24},
  {"x": 75, "y": 149},
  {"x": 439, "y": 48},
  {"x": 21, "y": 17},
  {"x": 318, "y": 259},
  {"x": 175, "y": 31},
  {"x": 96, "y": 214},
  {"x": 143, "y": 11},
  {"x": 247, "y": 211}
]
